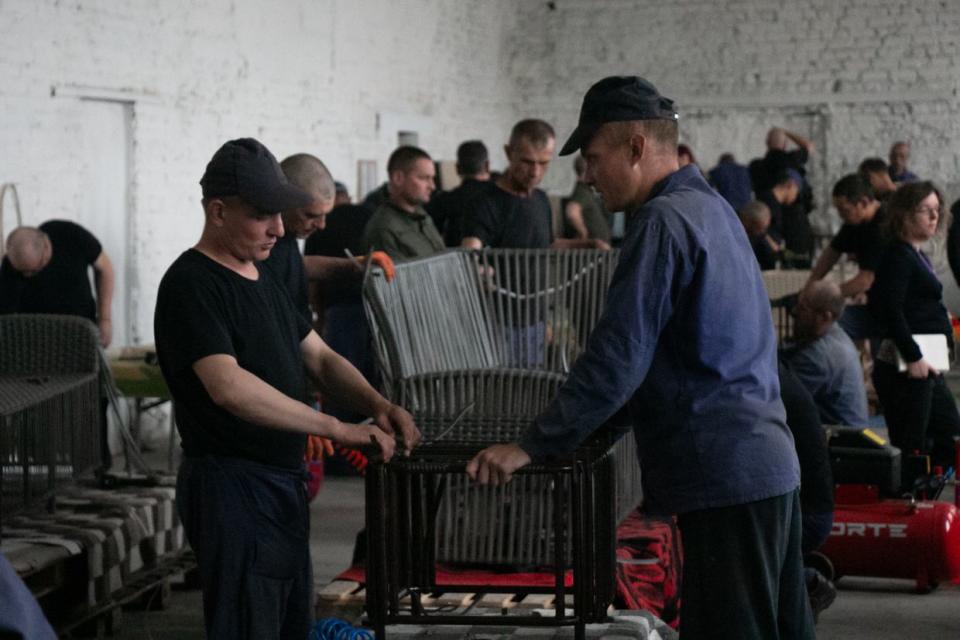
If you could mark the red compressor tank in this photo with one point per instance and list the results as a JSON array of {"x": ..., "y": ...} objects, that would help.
[{"x": 917, "y": 540}]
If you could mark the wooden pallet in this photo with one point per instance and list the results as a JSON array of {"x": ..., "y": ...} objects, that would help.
[
  {"x": 346, "y": 599},
  {"x": 346, "y": 594}
]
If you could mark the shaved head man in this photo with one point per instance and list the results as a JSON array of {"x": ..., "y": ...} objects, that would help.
[
  {"x": 46, "y": 270},
  {"x": 790, "y": 223},
  {"x": 27, "y": 250},
  {"x": 825, "y": 359},
  {"x": 308, "y": 174},
  {"x": 311, "y": 176}
]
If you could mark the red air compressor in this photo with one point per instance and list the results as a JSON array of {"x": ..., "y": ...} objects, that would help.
[{"x": 876, "y": 535}]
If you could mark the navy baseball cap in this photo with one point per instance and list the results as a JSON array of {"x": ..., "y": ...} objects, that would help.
[
  {"x": 618, "y": 99},
  {"x": 794, "y": 175},
  {"x": 246, "y": 168}
]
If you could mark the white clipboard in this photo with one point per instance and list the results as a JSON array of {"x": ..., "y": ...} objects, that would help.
[{"x": 933, "y": 349}]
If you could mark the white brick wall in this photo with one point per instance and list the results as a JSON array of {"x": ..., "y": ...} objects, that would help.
[
  {"x": 855, "y": 75},
  {"x": 323, "y": 75},
  {"x": 301, "y": 75}
]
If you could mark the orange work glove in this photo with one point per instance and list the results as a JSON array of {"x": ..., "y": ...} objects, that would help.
[
  {"x": 382, "y": 260},
  {"x": 316, "y": 447}
]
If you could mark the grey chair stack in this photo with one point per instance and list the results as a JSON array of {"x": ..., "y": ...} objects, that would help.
[
  {"x": 49, "y": 405},
  {"x": 494, "y": 332}
]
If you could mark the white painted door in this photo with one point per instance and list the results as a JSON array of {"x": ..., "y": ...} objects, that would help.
[{"x": 104, "y": 204}]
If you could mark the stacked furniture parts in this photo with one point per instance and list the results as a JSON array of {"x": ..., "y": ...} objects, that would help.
[
  {"x": 49, "y": 406},
  {"x": 475, "y": 344},
  {"x": 82, "y": 551}
]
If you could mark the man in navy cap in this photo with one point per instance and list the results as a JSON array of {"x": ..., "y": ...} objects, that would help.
[
  {"x": 768, "y": 171},
  {"x": 686, "y": 343},
  {"x": 783, "y": 194},
  {"x": 234, "y": 350}
]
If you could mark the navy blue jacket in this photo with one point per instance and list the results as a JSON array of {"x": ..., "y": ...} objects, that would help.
[
  {"x": 732, "y": 181},
  {"x": 686, "y": 341}
]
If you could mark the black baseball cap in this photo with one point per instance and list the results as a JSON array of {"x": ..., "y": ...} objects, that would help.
[
  {"x": 246, "y": 168},
  {"x": 618, "y": 99}
]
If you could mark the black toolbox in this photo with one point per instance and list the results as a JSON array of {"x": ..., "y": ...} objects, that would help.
[{"x": 860, "y": 456}]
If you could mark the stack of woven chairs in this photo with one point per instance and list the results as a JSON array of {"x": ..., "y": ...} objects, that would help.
[
  {"x": 492, "y": 335},
  {"x": 49, "y": 406}
]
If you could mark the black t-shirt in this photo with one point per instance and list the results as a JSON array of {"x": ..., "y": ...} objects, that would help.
[
  {"x": 287, "y": 265},
  {"x": 344, "y": 230},
  {"x": 63, "y": 286},
  {"x": 204, "y": 308},
  {"x": 793, "y": 226},
  {"x": 375, "y": 198},
  {"x": 764, "y": 171},
  {"x": 803, "y": 418},
  {"x": 865, "y": 241},
  {"x": 506, "y": 221},
  {"x": 447, "y": 209}
]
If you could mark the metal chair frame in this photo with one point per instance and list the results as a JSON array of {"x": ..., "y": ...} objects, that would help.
[
  {"x": 495, "y": 330},
  {"x": 402, "y": 501},
  {"x": 439, "y": 334}
]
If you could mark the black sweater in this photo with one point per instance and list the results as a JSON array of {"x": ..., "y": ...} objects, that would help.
[{"x": 908, "y": 299}]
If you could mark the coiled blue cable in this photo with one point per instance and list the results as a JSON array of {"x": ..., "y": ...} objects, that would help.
[{"x": 337, "y": 629}]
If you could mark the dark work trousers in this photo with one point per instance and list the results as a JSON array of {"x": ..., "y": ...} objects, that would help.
[
  {"x": 816, "y": 529},
  {"x": 346, "y": 331},
  {"x": 743, "y": 573},
  {"x": 248, "y": 525},
  {"x": 921, "y": 415}
]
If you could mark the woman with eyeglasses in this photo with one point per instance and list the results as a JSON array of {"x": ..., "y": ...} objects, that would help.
[{"x": 907, "y": 298}]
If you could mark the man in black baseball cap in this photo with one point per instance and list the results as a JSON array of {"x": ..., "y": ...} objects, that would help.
[
  {"x": 686, "y": 343},
  {"x": 235, "y": 354},
  {"x": 246, "y": 168},
  {"x": 618, "y": 99}
]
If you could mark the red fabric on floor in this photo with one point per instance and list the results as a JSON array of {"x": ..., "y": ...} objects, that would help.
[
  {"x": 649, "y": 563},
  {"x": 455, "y": 576}
]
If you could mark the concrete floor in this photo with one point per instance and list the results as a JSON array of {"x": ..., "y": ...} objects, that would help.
[{"x": 864, "y": 609}]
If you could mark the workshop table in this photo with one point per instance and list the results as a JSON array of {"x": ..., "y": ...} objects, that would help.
[{"x": 137, "y": 376}]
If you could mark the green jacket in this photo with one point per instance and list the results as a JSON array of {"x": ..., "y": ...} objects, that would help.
[{"x": 403, "y": 235}]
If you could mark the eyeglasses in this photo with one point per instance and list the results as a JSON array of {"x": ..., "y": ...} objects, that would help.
[{"x": 927, "y": 211}]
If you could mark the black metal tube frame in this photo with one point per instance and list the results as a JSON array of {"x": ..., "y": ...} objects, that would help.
[{"x": 402, "y": 499}]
